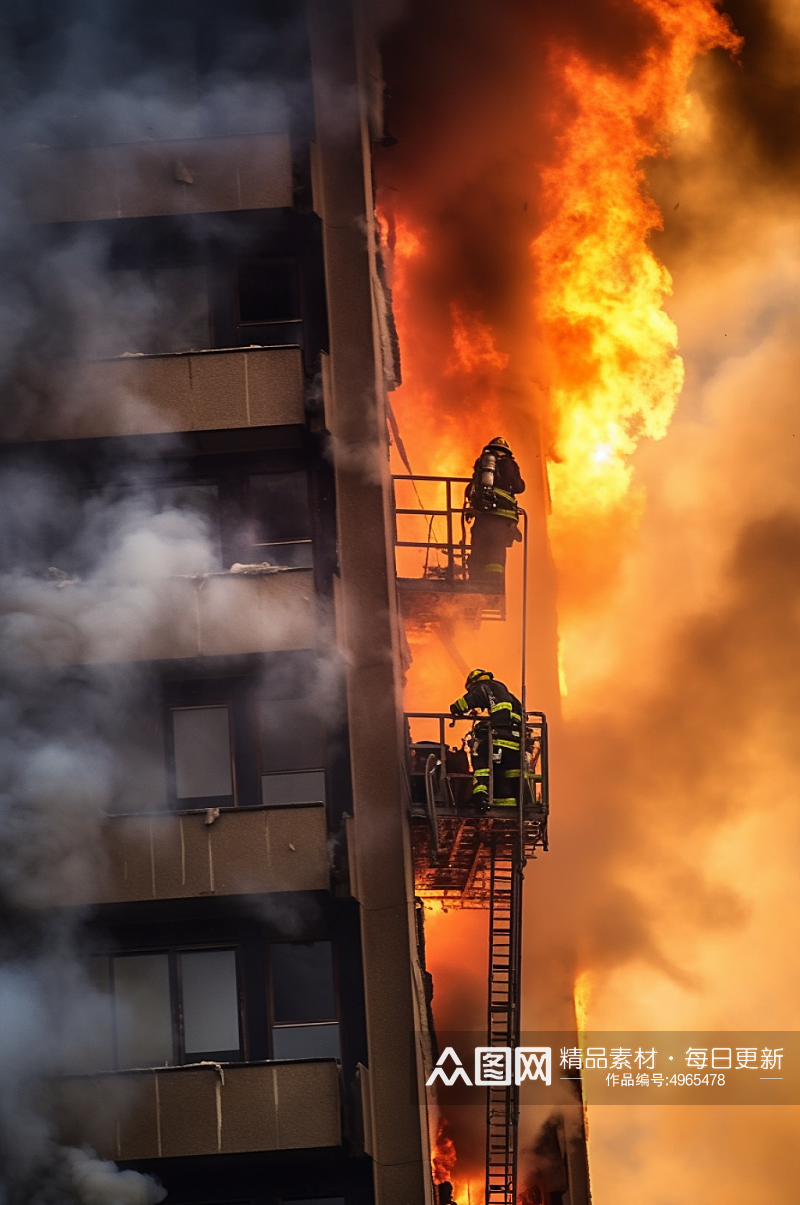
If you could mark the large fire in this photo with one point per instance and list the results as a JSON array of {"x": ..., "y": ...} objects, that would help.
[
  {"x": 579, "y": 362},
  {"x": 615, "y": 372}
]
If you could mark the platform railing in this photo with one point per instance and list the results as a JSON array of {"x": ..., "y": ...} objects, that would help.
[
  {"x": 453, "y": 549},
  {"x": 444, "y": 767}
]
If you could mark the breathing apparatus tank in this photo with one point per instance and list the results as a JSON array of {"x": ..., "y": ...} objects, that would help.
[{"x": 488, "y": 465}]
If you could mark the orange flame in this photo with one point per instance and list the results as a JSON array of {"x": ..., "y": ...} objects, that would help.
[
  {"x": 616, "y": 374},
  {"x": 443, "y": 1156},
  {"x": 582, "y": 995}
]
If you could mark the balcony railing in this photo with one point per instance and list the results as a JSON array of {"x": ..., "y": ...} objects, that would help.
[
  {"x": 214, "y": 1109},
  {"x": 237, "y": 851}
]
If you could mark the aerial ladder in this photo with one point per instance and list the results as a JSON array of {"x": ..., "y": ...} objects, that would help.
[
  {"x": 472, "y": 860},
  {"x": 461, "y": 857}
]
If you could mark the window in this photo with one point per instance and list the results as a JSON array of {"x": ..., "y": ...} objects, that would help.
[
  {"x": 291, "y": 753},
  {"x": 267, "y": 291},
  {"x": 198, "y": 502},
  {"x": 149, "y": 310},
  {"x": 210, "y": 1001},
  {"x": 280, "y": 518},
  {"x": 201, "y": 739},
  {"x": 303, "y": 1001},
  {"x": 267, "y": 308},
  {"x": 171, "y": 1007}
]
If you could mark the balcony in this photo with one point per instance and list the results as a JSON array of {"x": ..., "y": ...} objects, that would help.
[
  {"x": 241, "y": 852},
  {"x": 216, "y": 614},
  {"x": 180, "y": 391},
  {"x": 137, "y": 180},
  {"x": 201, "y": 1110}
]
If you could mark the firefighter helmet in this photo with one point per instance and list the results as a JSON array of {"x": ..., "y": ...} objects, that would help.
[
  {"x": 477, "y": 675},
  {"x": 500, "y": 444}
]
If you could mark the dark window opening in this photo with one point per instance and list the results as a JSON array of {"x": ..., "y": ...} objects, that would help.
[
  {"x": 280, "y": 519},
  {"x": 292, "y": 753},
  {"x": 267, "y": 291},
  {"x": 304, "y": 1022},
  {"x": 150, "y": 311},
  {"x": 312, "y": 1201}
]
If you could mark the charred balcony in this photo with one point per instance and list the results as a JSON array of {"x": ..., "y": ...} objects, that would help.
[
  {"x": 208, "y": 389},
  {"x": 145, "y": 179},
  {"x": 182, "y": 323}
]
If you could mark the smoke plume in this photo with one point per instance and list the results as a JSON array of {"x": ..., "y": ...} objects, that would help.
[{"x": 88, "y": 573}]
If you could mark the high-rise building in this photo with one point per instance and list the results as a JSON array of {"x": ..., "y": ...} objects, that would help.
[{"x": 201, "y": 555}]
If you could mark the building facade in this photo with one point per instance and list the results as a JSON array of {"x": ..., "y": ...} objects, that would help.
[{"x": 199, "y": 391}]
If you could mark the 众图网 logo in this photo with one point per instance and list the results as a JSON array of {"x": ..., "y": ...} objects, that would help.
[{"x": 495, "y": 1066}]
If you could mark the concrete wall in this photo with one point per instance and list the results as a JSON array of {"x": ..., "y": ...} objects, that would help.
[
  {"x": 138, "y": 180},
  {"x": 241, "y": 852},
  {"x": 182, "y": 391},
  {"x": 179, "y": 1111},
  {"x": 167, "y": 618},
  {"x": 366, "y": 619}
]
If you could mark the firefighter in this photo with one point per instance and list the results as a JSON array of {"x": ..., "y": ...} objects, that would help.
[
  {"x": 491, "y": 504},
  {"x": 482, "y": 692}
]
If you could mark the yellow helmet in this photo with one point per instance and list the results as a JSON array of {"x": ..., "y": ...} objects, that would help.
[
  {"x": 500, "y": 443},
  {"x": 477, "y": 675}
]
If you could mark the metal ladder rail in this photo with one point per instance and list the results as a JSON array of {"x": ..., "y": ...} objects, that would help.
[{"x": 505, "y": 958}]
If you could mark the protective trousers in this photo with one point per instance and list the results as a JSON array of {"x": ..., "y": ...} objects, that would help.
[
  {"x": 505, "y": 769},
  {"x": 492, "y": 536}
]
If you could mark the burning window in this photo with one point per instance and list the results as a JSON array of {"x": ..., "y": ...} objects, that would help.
[{"x": 304, "y": 1022}]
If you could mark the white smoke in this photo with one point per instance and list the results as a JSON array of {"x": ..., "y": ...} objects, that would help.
[{"x": 87, "y": 581}]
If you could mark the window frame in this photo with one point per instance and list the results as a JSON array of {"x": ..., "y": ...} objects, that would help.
[
  {"x": 235, "y": 693},
  {"x": 335, "y": 1020},
  {"x": 186, "y": 803},
  {"x": 176, "y": 1003}
]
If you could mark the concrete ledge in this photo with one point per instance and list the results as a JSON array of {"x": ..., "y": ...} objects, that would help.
[
  {"x": 179, "y": 391},
  {"x": 167, "y": 618},
  {"x": 166, "y": 856},
  {"x": 200, "y": 1110},
  {"x": 137, "y": 180}
]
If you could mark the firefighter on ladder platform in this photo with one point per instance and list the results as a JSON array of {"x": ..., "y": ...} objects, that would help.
[
  {"x": 491, "y": 506},
  {"x": 483, "y": 692}
]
